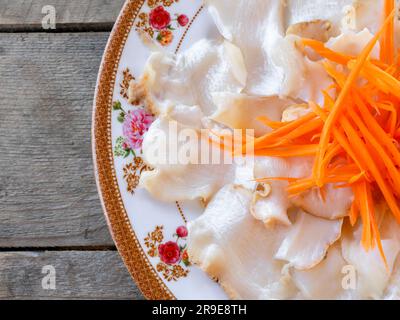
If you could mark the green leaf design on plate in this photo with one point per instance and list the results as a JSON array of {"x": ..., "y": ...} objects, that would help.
[
  {"x": 121, "y": 117},
  {"x": 119, "y": 151},
  {"x": 117, "y": 105}
]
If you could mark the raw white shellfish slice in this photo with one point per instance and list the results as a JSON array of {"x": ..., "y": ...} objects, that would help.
[
  {"x": 191, "y": 77},
  {"x": 274, "y": 64},
  {"x": 324, "y": 281},
  {"x": 352, "y": 43},
  {"x": 335, "y": 205},
  {"x": 372, "y": 275},
  {"x": 233, "y": 247},
  {"x": 239, "y": 111},
  {"x": 297, "y": 11},
  {"x": 178, "y": 173},
  {"x": 308, "y": 240}
]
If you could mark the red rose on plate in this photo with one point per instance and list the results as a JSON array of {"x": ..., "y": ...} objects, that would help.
[
  {"x": 183, "y": 20},
  {"x": 182, "y": 232},
  {"x": 169, "y": 252},
  {"x": 159, "y": 18}
]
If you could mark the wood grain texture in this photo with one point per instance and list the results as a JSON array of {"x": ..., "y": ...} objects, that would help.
[
  {"x": 26, "y": 15},
  {"x": 48, "y": 195},
  {"x": 78, "y": 275}
]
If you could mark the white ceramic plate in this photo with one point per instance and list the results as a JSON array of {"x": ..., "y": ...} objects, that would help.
[{"x": 144, "y": 229}]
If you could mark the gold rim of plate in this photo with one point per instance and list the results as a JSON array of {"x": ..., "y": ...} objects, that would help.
[{"x": 117, "y": 218}]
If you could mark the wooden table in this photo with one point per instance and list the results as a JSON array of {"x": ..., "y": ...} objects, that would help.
[{"x": 50, "y": 212}]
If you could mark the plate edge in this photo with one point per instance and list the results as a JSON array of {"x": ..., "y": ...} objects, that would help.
[{"x": 136, "y": 261}]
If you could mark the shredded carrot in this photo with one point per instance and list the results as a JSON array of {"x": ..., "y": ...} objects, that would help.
[
  {"x": 269, "y": 123},
  {"x": 369, "y": 223},
  {"x": 289, "y": 151},
  {"x": 284, "y": 129},
  {"x": 309, "y": 127},
  {"x": 354, "y": 213},
  {"x": 276, "y": 179},
  {"x": 354, "y": 136},
  {"x": 300, "y": 186},
  {"x": 387, "y": 42},
  {"x": 356, "y": 178},
  {"x": 327, "y": 53},
  {"x": 320, "y": 48},
  {"x": 340, "y": 102},
  {"x": 383, "y": 80},
  {"x": 393, "y": 172},
  {"x": 342, "y": 140},
  {"x": 376, "y": 129}
]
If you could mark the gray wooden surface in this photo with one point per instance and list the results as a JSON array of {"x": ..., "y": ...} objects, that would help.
[
  {"x": 78, "y": 275},
  {"x": 50, "y": 213},
  {"x": 26, "y": 15}
]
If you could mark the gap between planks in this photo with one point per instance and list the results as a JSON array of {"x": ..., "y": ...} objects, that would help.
[
  {"x": 76, "y": 274},
  {"x": 58, "y": 248}
]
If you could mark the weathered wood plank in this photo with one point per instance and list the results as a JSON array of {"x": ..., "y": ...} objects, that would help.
[
  {"x": 27, "y": 15},
  {"x": 48, "y": 195},
  {"x": 78, "y": 275}
]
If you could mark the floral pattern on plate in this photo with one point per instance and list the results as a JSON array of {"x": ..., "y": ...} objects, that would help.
[
  {"x": 173, "y": 258},
  {"x": 130, "y": 212},
  {"x": 159, "y": 23},
  {"x": 135, "y": 123}
]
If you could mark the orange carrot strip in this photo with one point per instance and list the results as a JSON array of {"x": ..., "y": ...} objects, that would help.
[
  {"x": 340, "y": 58},
  {"x": 376, "y": 129},
  {"x": 325, "y": 52},
  {"x": 289, "y": 151},
  {"x": 339, "y": 77},
  {"x": 300, "y": 186},
  {"x": 378, "y": 240},
  {"x": 354, "y": 212},
  {"x": 285, "y": 129},
  {"x": 276, "y": 179},
  {"x": 307, "y": 128},
  {"x": 387, "y": 42},
  {"x": 333, "y": 152},
  {"x": 392, "y": 123},
  {"x": 385, "y": 106},
  {"x": 269, "y": 123},
  {"x": 315, "y": 137},
  {"x": 361, "y": 197},
  {"x": 383, "y": 80},
  {"x": 376, "y": 81},
  {"x": 348, "y": 169},
  {"x": 397, "y": 133},
  {"x": 357, "y": 178},
  {"x": 370, "y": 210}
]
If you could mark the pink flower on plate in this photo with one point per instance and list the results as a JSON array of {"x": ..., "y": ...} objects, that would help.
[
  {"x": 159, "y": 18},
  {"x": 183, "y": 20},
  {"x": 182, "y": 232},
  {"x": 135, "y": 125},
  {"x": 169, "y": 252}
]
